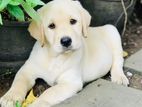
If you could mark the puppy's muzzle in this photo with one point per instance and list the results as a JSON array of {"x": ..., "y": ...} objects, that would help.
[{"x": 66, "y": 42}]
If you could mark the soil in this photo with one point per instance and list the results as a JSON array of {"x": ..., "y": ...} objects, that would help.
[
  {"x": 132, "y": 42},
  {"x": 5, "y": 82}
]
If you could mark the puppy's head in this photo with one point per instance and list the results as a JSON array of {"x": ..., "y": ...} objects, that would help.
[{"x": 64, "y": 23}]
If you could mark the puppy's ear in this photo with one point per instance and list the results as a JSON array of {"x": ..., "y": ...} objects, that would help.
[
  {"x": 36, "y": 30},
  {"x": 86, "y": 18}
]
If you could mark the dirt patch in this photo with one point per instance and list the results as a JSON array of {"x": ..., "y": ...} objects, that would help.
[
  {"x": 132, "y": 40},
  {"x": 5, "y": 82},
  {"x": 136, "y": 81},
  {"x": 135, "y": 78}
]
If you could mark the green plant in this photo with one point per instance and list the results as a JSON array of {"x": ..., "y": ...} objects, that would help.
[
  {"x": 18, "y": 104},
  {"x": 17, "y": 8}
]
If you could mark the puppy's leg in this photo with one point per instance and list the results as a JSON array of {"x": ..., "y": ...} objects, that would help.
[
  {"x": 117, "y": 74},
  {"x": 22, "y": 83},
  {"x": 67, "y": 86}
]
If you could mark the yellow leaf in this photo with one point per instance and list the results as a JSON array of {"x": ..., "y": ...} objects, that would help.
[
  {"x": 125, "y": 54},
  {"x": 30, "y": 99}
]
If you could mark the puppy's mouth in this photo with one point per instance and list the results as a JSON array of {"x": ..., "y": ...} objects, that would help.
[{"x": 68, "y": 49}]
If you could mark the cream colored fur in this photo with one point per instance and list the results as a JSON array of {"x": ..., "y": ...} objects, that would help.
[{"x": 67, "y": 70}]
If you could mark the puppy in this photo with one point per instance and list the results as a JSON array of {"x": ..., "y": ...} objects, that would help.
[{"x": 67, "y": 54}]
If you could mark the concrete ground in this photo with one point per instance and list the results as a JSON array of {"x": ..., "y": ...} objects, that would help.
[
  {"x": 103, "y": 93},
  {"x": 135, "y": 61}
]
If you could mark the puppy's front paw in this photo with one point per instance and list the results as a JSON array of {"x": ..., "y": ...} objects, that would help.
[
  {"x": 119, "y": 78},
  {"x": 10, "y": 98}
]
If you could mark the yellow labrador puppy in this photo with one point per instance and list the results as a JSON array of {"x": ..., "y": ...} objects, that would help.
[{"x": 67, "y": 54}]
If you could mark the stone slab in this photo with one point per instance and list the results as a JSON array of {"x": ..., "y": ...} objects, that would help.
[
  {"x": 134, "y": 61},
  {"x": 102, "y": 93}
]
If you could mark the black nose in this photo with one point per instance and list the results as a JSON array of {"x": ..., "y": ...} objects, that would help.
[{"x": 66, "y": 41}]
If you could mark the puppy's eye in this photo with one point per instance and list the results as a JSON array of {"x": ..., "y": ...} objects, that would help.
[
  {"x": 52, "y": 26},
  {"x": 73, "y": 21}
]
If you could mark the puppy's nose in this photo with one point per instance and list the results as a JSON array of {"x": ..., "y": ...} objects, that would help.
[{"x": 66, "y": 41}]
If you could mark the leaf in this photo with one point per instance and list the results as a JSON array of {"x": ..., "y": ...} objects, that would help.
[
  {"x": 34, "y": 3},
  {"x": 17, "y": 104},
  {"x": 3, "y": 4},
  {"x": 30, "y": 11},
  {"x": 38, "y": 2},
  {"x": 125, "y": 54},
  {"x": 30, "y": 99},
  {"x": 16, "y": 11},
  {"x": 15, "y": 2},
  {"x": 0, "y": 19}
]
